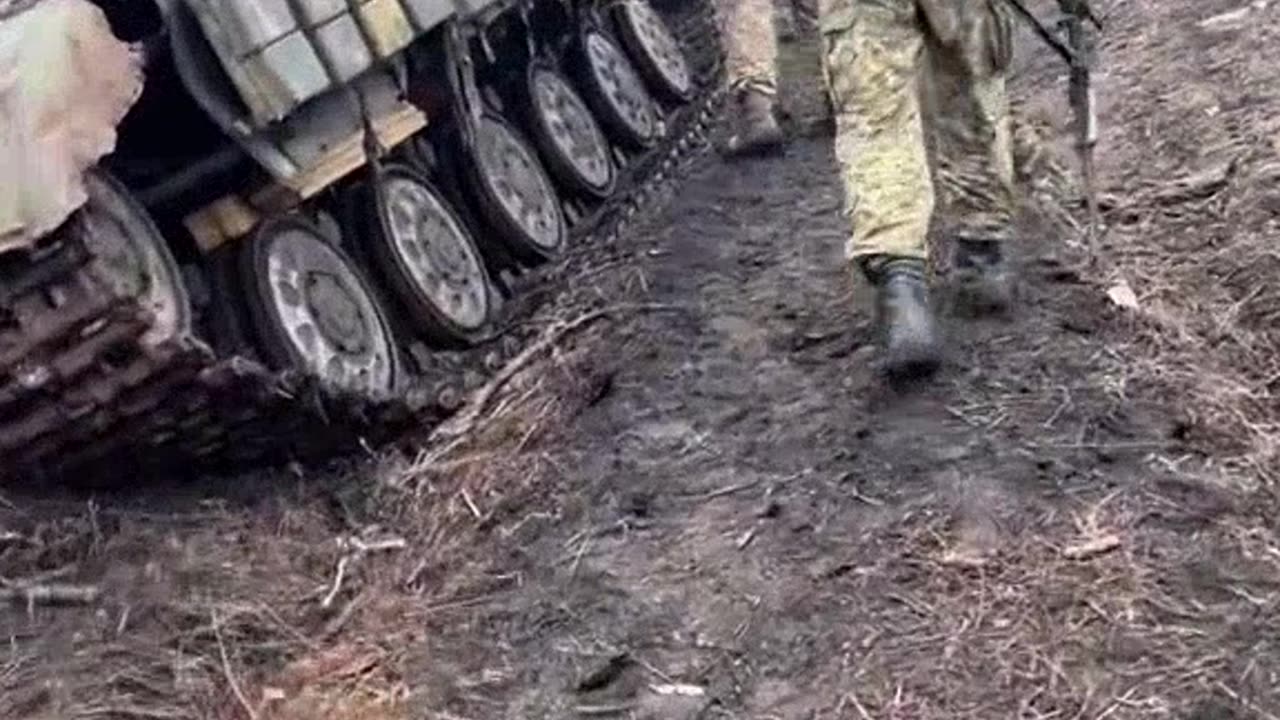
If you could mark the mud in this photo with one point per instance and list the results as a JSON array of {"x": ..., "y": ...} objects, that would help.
[
  {"x": 753, "y": 513},
  {"x": 712, "y": 506}
]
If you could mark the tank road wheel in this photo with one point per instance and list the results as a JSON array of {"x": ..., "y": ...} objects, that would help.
[
  {"x": 428, "y": 256},
  {"x": 516, "y": 192},
  {"x": 657, "y": 53},
  {"x": 617, "y": 92},
  {"x": 313, "y": 312},
  {"x": 129, "y": 247},
  {"x": 575, "y": 147}
]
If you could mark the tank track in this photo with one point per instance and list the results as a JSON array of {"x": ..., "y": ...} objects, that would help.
[{"x": 83, "y": 397}]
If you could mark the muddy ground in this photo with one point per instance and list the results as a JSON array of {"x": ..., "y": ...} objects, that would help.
[{"x": 709, "y": 504}]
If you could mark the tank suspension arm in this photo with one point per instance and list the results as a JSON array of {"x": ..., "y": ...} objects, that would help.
[{"x": 192, "y": 177}]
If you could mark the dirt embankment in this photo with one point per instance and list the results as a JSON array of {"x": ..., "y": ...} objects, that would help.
[{"x": 704, "y": 503}]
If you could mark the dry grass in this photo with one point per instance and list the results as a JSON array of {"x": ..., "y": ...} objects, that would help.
[
  {"x": 1092, "y": 614},
  {"x": 1158, "y": 599},
  {"x": 1189, "y": 165},
  {"x": 301, "y": 602},
  {"x": 291, "y": 602}
]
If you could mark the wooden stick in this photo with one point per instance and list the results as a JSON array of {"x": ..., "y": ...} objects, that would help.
[
  {"x": 51, "y": 594},
  {"x": 226, "y": 668}
]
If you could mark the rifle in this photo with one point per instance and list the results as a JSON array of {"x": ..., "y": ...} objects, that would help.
[{"x": 1079, "y": 52}]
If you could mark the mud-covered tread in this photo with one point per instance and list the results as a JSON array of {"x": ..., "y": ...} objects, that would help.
[
  {"x": 42, "y": 327},
  {"x": 76, "y": 361},
  {"x": 113, "y": 411},
  {"x": 129, "y": 396}
]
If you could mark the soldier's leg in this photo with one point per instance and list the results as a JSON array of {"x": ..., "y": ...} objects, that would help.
[
  {"x": 971, "y": 132},
  {"x": 784, "y": 20},
  {"x": 752, "y": 67},
  {"x": 873, "y": 55}
]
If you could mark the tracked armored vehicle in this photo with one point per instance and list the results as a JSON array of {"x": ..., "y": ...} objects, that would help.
[{"x": 306, "y": 202}]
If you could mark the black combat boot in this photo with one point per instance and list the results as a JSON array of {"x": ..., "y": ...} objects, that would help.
[
  {"x": 905, "y": 316},
  {"x": 757, "y": 130},
  {"x": 983, "y": 283}
]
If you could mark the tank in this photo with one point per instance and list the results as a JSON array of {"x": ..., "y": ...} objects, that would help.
[{"x": 238, "y": 232}]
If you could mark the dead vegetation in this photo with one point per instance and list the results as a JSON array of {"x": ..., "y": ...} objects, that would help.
[
  {"x": 1190, "y": 161},
  {"x": 266, "y": 604},
  {"x": 1096, "y": 624},
  {"x": 409, "y": 585}
]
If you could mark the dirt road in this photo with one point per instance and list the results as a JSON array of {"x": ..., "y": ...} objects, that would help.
[
  {"x": 1048, "y": 530},
  {"x": 713, "y": 507}
]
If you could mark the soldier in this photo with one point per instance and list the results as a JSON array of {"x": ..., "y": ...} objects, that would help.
[
  {"x": 903, "y": 74},
  {"x": 752, "y": 67}
]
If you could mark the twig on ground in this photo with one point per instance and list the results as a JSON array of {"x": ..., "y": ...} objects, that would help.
[
  {"x": 728, "y": 490},
  {"x": 1137, "y": 445},
  {"x": 361, "y": 548},
  {"x": 379, "y": 546},
  {"x": 40, "y": 594},
  {"x": 334, "y": 626},
  {"x": 9, "y": 536},
  {"x": 652, "y": 669},
  {"x": 601, "y": 710},
  {"x": 1091, "y": 547},
  {"x": 1243, "y": 701},
  {"x": 1062, "y": 407},
  {"x": 339, "y": 575},
  {"x": 41, "y": 578},
  {"x": 866, "y": 499},
  {"x": 857, "y": 705},
  {"x": 577, "y": 559},
  {"x": 461, "y": 603},
  {"x": 232, "y": 682},
  {"x": 465, "y": 422},
  {"x": 471, "y": 505}
]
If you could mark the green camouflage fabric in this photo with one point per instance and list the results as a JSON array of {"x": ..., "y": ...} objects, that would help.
[
  {"x": 751, "y": 44},
  {"x": 918, "y": 88}
]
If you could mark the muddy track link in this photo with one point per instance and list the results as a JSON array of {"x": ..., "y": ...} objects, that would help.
[{"x": 84, "y": 396}]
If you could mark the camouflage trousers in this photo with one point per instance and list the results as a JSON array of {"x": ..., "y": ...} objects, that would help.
[
  {"x": 918, "y": 88},
  {"x": 750, "y": 29},
  {"x": 751, "y": 44}
]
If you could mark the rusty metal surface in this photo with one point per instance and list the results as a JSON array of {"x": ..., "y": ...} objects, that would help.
[{"x": 80, "y": 395}]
